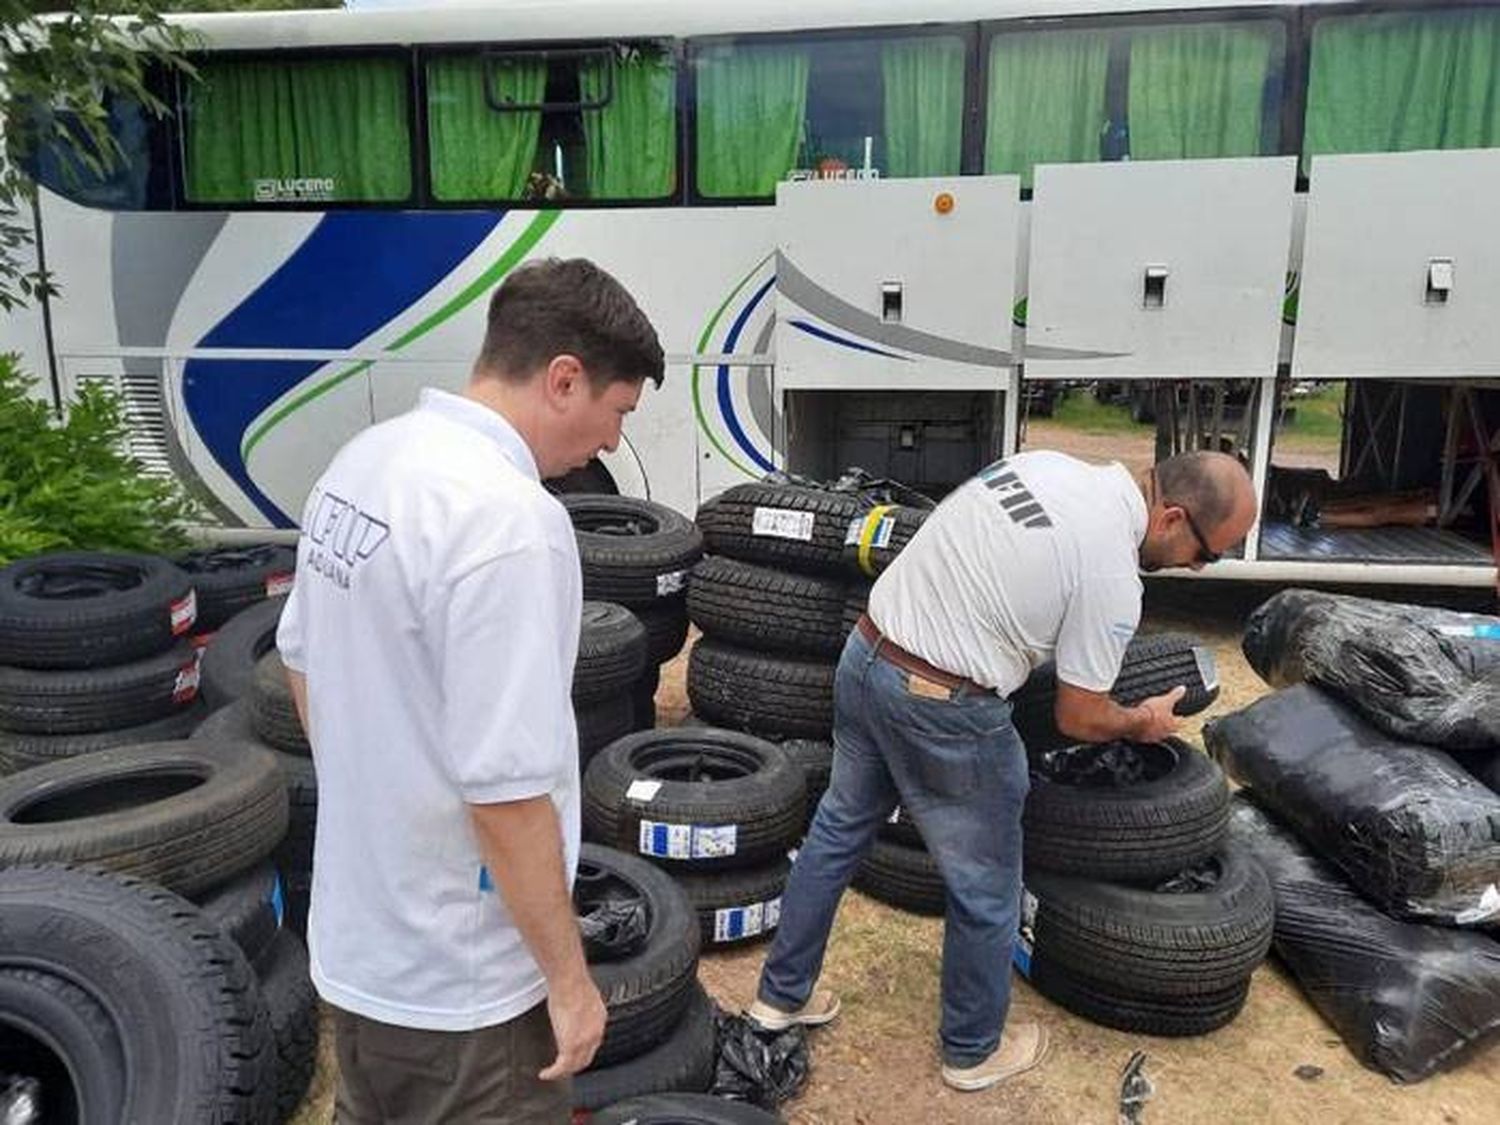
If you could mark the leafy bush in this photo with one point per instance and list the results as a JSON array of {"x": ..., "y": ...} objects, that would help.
[{"x": 70, "y": 484}]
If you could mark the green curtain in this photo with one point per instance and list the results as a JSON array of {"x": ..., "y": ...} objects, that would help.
[
  {"x": 1199, "y": 91},
  {"x": 476, "y": 151},
  {"x": 1399, "y": 82},
  {"x": 630, "y": 146},
  {"x": 1046, "y": 101},
  {"x": 924, "y": 106},
  {"x": 751, "y": 106},
  {"x": 340, "y": 119}
]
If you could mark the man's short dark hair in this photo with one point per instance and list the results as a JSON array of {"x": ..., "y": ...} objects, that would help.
[
  {"x": 1198, "y": 482},
  {"x": 553, "y": 307}
]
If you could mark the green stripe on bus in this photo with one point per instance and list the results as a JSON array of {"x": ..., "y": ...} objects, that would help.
[
  {"x": 702, "y": 345},
  {"x": 481, "y": 285}
]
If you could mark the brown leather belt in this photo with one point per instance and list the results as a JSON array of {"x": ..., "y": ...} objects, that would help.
[{"x": 893, "y": 653}]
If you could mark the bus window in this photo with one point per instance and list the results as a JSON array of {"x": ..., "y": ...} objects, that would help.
[
  {"x": 1399, "y": 81},
  {"x": 827, "y": 109},
  {"x": 57, "y": 165},
  {"x": 1191, "y": 90},
  {"x": 327, "y": 130},
  {"x": 599, "y": 123}
]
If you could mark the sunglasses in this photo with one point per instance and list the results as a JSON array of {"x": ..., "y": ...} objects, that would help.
[{"x": 1206, "y": 554}]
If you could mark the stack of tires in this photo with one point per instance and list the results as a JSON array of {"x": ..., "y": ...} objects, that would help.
[
  {"x": 142, "y": 959},
  {"x": 718, "y": 809},
  {"x": 637, "y": 554},
  {"x": 229, "y": 580},
  {"x": 93, "y": 654},
  {"x": 642, "y": 943},
  {"x": 787, "y": 576}
]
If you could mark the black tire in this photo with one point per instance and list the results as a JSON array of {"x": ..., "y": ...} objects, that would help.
[
  {"x": 293, "y": 855},
  {"x": 1188, "y": 941},
  {"x": 682, "y": 1061},
  {"x": 200, "y": 1045},
  {"x": 292, "y": 1005},
  {"x": 775, "y": 696},
  {"x": 767, "y": 610},
  {"x": 229, "y": 659},
  {"x": 56, "y": 1033},
  {"x": 646, "y": 992},
  {"x": 611, "y": 652},
  {"x": 697, "y": 800},
  {"x": 273, "y": 712},
  {"x": 602, "y": 723},
  {"x": 682, "y": 1109},
  {"x": 800, "y": 528},
  {"x": 816, "y": 759},
  {"x": 298, "y": 887},
  {"x": 187, "y": 815},
  {"x": 876, "y": 537},
  {"x": 737, "y": 907},
  {"x": 23, "y": 751},
  {"x": 666, "y": 629},
  {"x": 88, "y": 609},
  {"x": 900, "y": 828},
  {"x": 633, "y": 552},
  {"x": 246, "y": 909},
  {"x": 903, "y": 877},
  {"x": 1125, "y": 812},
  {"x": 232, "y": 579},
  {"x": 1172, "y": 1016},
  {"x": 86, "y": 700},
  {"x": 643, "y": 700},
  {"x": 1153, "y": 664}
]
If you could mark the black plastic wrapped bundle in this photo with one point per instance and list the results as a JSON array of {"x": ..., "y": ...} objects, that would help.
[
  {"x": 1428, "y": 675},
  {"x": 1408, "y": 999},
  {"x": 1414, "y": 831}
]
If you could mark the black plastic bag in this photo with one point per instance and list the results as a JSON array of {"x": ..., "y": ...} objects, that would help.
[
  {"x": 1415, "y": 832},
  {"x": 1428, "y": 675},
  {"x": 1408, "y": 999},
  {"x": 764, "y": 1068},
  {"x": 613, "y": 929}
]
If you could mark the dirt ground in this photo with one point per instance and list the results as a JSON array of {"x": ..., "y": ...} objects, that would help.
[{"x": 878, "y": 1062}]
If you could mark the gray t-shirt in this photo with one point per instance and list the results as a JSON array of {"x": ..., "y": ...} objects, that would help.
[{"x": 1034, "y": 559}]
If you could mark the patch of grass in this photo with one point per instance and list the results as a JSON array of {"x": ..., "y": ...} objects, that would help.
[
  {"x": 1318, "y": 414},
  {"x": 1081, "y": 411}
]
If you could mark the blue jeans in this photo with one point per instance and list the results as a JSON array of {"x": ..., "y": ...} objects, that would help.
[{"x": 959, "y": 768}]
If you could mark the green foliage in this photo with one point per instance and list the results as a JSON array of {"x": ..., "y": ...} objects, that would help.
[
  {"x": 1319, "y": 415},
  {"x": 68, "y": 484},
  {"x": 1081, "y": 411},
  {"x": 247, "y": 5}
]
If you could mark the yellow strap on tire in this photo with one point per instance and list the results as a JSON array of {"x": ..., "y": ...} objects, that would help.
[{"x": 867, "y": 536}]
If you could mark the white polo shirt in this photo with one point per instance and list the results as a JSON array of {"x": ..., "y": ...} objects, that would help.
[
  {"x": 1034, "y": 559},
  {"x": 436, "y": 618}
]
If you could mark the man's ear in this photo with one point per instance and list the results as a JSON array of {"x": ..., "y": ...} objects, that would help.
[{"x": 564, "y": 377}]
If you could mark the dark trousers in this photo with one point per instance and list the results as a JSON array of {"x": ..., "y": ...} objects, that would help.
[{"x": 392, "y": 1075}]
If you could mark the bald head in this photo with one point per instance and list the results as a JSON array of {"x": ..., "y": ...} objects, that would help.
[{"x": 1210, "y": 490}]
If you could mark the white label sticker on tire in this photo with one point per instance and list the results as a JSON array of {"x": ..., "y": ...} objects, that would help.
[
  {"x": 783, "y": 523},
  {"x": 186, "y": 684},
  {"x": 1208, "y": 667},
  {"x": 278, "y": 584},
  {"x": 184, "y": 613},
  {"x": 736, "y": 922},
  {"x": 642, "y": 789},
  {"x": 687, "y": 841},
  {"x": 670, "y": 583}
]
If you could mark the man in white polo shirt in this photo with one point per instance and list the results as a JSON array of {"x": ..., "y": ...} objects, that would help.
[
  {"x": 1036, "y": 558},
  {"x": 430, "y": 642}
]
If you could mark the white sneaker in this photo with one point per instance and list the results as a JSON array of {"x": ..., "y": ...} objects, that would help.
[
  {"x": 1022, "y": 1047},
  {"x": 821, "y": 1007}
]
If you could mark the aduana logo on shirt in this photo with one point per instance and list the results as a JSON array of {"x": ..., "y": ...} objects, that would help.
[{"x": 342, "y": 537}]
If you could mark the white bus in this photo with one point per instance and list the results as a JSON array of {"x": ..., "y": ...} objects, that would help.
[{"x": 868, "y": 231}]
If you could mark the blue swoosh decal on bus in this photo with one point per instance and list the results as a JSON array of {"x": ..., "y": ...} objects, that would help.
[
  {"x": 726, "y": 401},
  {"x": 354, "y": 272},
  {"x": 824, "y": 334}
]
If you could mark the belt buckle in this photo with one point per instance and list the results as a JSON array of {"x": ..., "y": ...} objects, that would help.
[{"x": 921, "y": 686}]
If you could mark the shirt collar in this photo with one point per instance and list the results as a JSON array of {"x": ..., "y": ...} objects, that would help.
[{"x": 482, "y": 420}]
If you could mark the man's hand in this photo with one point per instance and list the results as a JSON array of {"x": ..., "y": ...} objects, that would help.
[
  {"x": 578, "y": 1016},
  {"x": 1157, "y": 716}
]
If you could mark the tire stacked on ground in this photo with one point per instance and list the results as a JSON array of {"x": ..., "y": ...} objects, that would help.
[
  {"x": 717, "y": 809},
  {"x": 229, "y": 580},
  {"x": 659, "y": 1036},
  {"x": 93, "y": 655},
  {"x": 613, "y": 655},
  {"x": 637, "y": 553}
]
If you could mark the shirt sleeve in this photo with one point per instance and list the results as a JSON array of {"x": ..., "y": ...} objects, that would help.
[
  {"x": 1098, "y": 623},
  {"x": 509, "y": 640},
  {"x": 290, "y": 637}
]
